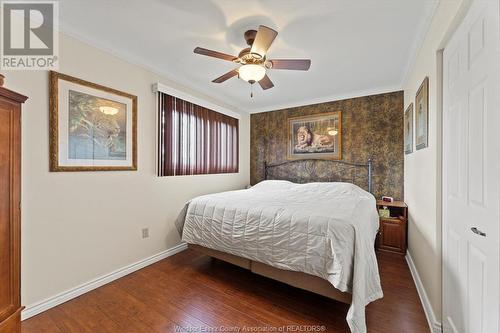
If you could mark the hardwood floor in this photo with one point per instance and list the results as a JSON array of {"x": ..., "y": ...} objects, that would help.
[{"x": 192, "y": 290}]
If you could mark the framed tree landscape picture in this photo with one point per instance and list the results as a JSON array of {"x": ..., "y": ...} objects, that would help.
[
  {"x": 315, "y": 136},
  {"x": 92, "y": 127},
  {"x": 422, "y": 115},
  {"x": 408, "y": 129}
]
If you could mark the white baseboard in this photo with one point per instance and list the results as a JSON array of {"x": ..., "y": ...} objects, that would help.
[
  {"x": 32, "y": 310},
  {"x": 434, "y": 324}
]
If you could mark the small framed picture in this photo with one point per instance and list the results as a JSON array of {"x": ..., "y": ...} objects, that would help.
[
  {"x": 92, "y": 127},
  {"x": 422, "y": 115},
  {"x": 315, "y": 137},
  {"x": 408, "y": 129}
]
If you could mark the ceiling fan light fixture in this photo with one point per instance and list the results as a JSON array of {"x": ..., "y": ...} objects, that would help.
[
  {"x": 251, "y": 72},
  {"x": 256, "y": 56},
  {"x": 253, "y": 60}
]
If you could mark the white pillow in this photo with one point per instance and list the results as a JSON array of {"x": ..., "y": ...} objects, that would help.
[{"x": 273, "y": 185}]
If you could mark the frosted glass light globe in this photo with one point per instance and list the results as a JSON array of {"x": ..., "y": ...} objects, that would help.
[{"x": 251, "y": 72}]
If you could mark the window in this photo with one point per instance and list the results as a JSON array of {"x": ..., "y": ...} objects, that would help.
[{"x": 195, "y": 140}]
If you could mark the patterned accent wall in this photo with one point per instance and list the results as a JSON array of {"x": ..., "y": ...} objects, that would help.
[{"x": 372, "y": 127}]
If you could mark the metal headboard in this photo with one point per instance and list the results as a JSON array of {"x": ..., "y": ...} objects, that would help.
[{"x": 307, "y": 171}]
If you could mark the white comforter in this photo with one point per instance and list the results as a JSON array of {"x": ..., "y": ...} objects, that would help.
[{"x": 323, "y": 229}]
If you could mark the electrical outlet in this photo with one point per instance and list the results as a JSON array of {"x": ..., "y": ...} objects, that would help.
[{"x": 145, "y": 233}]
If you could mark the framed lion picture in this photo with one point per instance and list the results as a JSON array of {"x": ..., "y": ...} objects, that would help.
[{"x": 315, "y": 136}]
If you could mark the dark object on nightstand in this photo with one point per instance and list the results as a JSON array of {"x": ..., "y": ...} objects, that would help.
[{"x": 392, "y": 235}]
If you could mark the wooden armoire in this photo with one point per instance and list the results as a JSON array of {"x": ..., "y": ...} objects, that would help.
[{"x": 10, "y": 209}]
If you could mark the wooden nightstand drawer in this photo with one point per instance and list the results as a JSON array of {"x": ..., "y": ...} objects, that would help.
[{"x": 392, "y": 235}]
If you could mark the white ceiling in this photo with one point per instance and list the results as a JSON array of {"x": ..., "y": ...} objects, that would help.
[{"x": 357, "y": 47}]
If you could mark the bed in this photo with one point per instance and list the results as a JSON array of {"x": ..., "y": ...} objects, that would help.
[{"x": 318, "y": 236}]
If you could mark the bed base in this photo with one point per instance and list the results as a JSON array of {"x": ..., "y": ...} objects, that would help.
[{"x": 300, "y": 280}]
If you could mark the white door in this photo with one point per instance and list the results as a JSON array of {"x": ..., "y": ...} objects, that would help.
[{"x": 471, "y": 173}]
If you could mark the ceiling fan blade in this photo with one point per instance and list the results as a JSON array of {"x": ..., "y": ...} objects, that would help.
[
  {"x": 214, "y": 54},
  {"x": 293, "y": 64},
  {"x": 263, "y": 40},
  {"x": 226, "y": 76},
  {"x": 266, "y": 83}
]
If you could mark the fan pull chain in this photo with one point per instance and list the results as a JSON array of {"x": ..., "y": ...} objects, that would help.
[{"x": 251, "y": 90}]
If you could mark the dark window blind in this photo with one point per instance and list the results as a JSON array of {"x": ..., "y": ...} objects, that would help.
[{"x": 195, "y": 140}]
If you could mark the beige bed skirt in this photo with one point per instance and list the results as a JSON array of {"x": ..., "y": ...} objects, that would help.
[{"x": 296, "y": 279}]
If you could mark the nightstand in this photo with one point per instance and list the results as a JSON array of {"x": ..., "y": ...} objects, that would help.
[{"x": 392, "y": 235}]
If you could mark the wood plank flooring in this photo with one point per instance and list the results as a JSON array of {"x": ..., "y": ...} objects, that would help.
[{"x": 192, "y": 290}]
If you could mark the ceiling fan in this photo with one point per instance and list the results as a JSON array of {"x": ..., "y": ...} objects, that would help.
[{"x": 253, "y": 59}]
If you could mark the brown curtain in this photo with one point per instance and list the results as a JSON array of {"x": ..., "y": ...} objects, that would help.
[{"x": 194, "y": 140}]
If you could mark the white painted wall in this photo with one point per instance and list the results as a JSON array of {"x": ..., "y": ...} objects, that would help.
[
  {"x": 78, "y": 226},
  {"x": 422, "y": 167}
]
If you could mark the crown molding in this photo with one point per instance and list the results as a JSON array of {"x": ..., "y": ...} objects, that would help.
[
  {"x": 419, "y": 42},
  {"x": 329, "y": 98},
  {"x": 209, "y": 96},
  {"x": 181, "y": 85}
]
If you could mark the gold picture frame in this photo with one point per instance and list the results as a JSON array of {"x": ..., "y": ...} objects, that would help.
[
  {"x": 92, "y": 127},
  {"x": 408, "y": 129},
  {"x": 422, "y": 115},
  {"x": 317, "y": 136}
]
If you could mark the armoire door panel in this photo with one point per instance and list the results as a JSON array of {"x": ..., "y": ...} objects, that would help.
[
  {"x": 10, "y": 215},
  {"x": 6, "y": 297}
]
